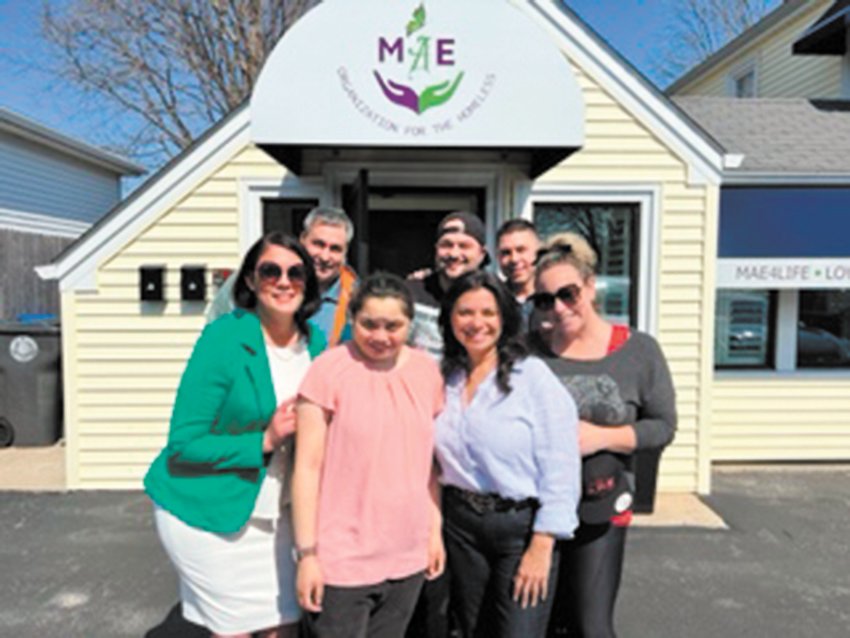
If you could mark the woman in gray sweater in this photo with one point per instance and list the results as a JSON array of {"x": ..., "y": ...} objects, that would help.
[{"x": 621, "y": 384}]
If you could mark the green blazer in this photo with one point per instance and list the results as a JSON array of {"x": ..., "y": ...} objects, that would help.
[{"x": 212, "y": 467}]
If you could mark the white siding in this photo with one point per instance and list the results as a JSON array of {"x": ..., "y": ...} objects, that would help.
[{"x": 36, "y": 179}]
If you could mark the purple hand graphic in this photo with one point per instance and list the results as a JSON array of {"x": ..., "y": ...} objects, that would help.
[{"x": 399, "y": 93}]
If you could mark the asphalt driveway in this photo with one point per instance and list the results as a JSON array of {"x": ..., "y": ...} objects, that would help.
[{"x": 89, "y": 565}]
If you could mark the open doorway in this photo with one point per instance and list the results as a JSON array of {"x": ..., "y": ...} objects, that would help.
[{"x": 401, "y": 225}]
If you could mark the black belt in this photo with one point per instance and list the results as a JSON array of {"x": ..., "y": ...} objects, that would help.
[{"x": 484, "y": 503}]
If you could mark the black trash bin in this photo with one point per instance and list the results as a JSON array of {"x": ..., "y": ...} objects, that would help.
[{"x": 30, "y": 384}]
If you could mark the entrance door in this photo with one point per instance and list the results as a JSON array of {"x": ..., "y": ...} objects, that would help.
[
  {"x": 355, "y": 202},
  {"x": 402, "y": 224}
]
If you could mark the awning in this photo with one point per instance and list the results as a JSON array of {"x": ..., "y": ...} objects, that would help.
[
  {"x": 784, "y": 238},
  {"x": 828, "y": 35},
  {"x": 432, "y": 74}
]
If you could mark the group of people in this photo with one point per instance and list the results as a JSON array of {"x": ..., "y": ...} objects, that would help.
[{"x": 446, "y": 455}]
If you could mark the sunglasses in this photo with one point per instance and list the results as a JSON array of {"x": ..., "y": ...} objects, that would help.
[
  {"x": 546, "y": 300},
  {"x": 269, "y": 272}
]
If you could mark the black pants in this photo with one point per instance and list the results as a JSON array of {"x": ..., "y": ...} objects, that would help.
[
  {"x": 484, "y": 552},
  {"x": 588, "y": 582},
  {"x": 431, "y": 616},
  {"x": 372, "y": 611}
]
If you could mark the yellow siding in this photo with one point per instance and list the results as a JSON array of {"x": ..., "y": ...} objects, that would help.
[
  {"x": 686, "y": 291},
  {"x": 779, "y": 73},
  {"x": 775, "y": 419},
  {"x": 127, "y": 363},
  {"x": 128, "y": 360}
]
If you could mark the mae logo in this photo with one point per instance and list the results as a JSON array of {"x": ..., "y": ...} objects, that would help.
[
  {"x": 426, "y": 65},
  {"x": 415, "y": 82}
]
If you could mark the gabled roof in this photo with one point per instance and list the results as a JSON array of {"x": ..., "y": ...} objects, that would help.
[
  {"x": 773, "y": 19},
  {"x": 28, "y": 129},
  {"x": 781, "y": 137},
  {"x": 706, "y": 157}
]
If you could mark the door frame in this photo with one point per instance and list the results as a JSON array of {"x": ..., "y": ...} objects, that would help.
[{"x": 496, "y": 180}]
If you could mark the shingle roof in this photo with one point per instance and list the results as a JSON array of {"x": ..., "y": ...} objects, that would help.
[{"x": 793, "y": 135}]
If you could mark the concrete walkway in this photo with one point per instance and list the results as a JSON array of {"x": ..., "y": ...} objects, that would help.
[{"x": 33, "y": 469}]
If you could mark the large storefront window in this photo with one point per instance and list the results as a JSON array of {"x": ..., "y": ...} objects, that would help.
[
  {"x": 611, "y": 229},
  {"x": 823, "y": 329},
  {"x": 743, "y": 334}
]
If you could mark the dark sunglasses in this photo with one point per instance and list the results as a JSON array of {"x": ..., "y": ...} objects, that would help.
[
  {"x": 270, "y": 272},
  {"x": 546, "y": 300}
]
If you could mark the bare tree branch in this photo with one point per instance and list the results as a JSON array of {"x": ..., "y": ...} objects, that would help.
[
  {"x": 177, "y": 66},
  {"x": 700, "y": 28}
]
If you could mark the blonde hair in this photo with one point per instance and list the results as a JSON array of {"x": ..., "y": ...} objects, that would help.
[{"x": 568, "y": 248}]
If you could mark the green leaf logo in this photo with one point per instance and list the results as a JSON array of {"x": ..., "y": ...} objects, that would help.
[{"x": 418, "y": 20}]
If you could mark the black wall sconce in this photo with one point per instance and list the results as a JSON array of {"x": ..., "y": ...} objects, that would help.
[
  {"x": 193, "y": 283},
  {"x": 152, "y": 283}
]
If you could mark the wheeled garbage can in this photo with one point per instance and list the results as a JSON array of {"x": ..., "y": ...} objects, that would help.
[{"x": 30, "y": 384}]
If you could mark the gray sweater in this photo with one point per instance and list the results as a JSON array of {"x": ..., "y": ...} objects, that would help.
[{"x": 630, "y": 385}]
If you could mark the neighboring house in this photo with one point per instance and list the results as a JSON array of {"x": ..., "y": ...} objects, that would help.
[
  {"x": 798, "y": 50},
  {"x": 781, "y": 389},
  {"x": 52, "y": 188}
]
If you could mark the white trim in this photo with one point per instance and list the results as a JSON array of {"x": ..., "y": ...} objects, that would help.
[
  {"x": 252, "y": 191},
  {"x": 630, "y": 91},
  {"x": 785, "y": 337},
  {"x": 648, "y": 198},
  {"x": 490, "y": 177},
  {"x": 775, "y": 273},
  {"x": 845, "y": 70},
  {"x": 36, "y": 223},
  {"x": 803, "y": 374},
  {"x": 732, "y": 161},
  {"x": 76, "y": 269},
  {"x": 739, "y": 178}
]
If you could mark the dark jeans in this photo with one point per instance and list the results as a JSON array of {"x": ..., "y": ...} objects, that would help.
[
  {"x": 588, "y": 582},
  {"x": 371, "y": 611},
  {"x": 484, "y": 552}
]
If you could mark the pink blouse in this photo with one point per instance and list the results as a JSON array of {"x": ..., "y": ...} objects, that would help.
[{"x": 374, "y": 506}]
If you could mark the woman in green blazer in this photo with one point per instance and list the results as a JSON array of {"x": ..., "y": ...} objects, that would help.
[{"x": 220, "y": 485}]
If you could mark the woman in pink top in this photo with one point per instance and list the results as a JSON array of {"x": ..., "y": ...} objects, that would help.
[{"x": 367, "y": 523}]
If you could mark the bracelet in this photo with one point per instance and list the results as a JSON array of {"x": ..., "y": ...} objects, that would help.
[{"x": 300, "y": 553}]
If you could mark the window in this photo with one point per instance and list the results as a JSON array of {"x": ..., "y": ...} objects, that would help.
[
  {"x": 611, "y": 229},
  {"x": 286, "y": 215},
  {"x": 745, "y": 84},
  {"x": 743, "y": 331},
  {"x": 823, "y": 329}
]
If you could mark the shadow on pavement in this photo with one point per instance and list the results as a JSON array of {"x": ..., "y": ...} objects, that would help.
[{"x": 175, "y": 626}]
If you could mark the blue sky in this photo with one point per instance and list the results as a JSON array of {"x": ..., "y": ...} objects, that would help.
[{"x": 633, "y": 27}]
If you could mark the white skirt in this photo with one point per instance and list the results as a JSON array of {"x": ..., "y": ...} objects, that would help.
[{"x": 233, "y": 583}]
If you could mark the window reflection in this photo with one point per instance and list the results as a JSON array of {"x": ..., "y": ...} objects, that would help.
[{"x": 823, "y": 329}]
